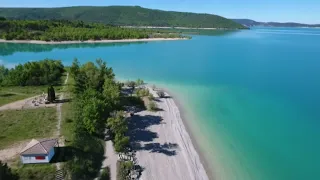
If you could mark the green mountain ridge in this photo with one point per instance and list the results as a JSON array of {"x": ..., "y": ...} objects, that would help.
[{"x": 123, "y": 16}]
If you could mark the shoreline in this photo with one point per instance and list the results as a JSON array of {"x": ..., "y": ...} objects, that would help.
[
  {"x": 90, "y": 41},
  {"x": 183, "y": 115},
  {"x": 191, "y": 159}
]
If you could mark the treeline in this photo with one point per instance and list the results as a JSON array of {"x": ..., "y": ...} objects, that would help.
[
  {"x": 124, "y": 16},
  {"x": 43, "y": 72},
  {"x": 96, "y": 104},
  {"x": 63, "y": 30}
]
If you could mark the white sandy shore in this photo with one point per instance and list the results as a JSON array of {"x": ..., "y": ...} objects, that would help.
[
  {"x": 166, "y": 150},
  {"x": 89, "y": 41}
]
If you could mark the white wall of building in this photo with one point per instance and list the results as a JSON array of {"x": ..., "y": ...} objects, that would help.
[{"x": 32, "y": 159}]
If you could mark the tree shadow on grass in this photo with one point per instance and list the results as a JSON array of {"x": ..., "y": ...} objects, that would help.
[
  {"x": 7, "y": 95},
  {"x": 63, "y": 154},
  {"x": 62, "y": 100},
  {"x": 84, "y": 158}
]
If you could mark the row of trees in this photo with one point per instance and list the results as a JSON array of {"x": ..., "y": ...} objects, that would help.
[
  {"x": 32, "y": 73},
  {"x": 124, "y": 15},
  {"x": 6, "y": 173},
  {"x": 62, "y": 30},
  {"x": 96, "y": 96}
]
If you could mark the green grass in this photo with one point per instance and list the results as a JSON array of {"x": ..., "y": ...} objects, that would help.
[
  {"x": 18, "y": 125},
  {"x": 67, "y": 123},
  {"x": 36, "y": 171},
  {"x": 15, "y": 93},
  {"x": 10, "y": 94}
]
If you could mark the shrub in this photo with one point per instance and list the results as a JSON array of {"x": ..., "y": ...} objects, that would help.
[
  {"x": 139, "y": 82},
  {"x": 161, "y": 94},
  {"x": 105, "y": 175},
  {"x": 142, "y": 92},
  {"x": 150, "y": 97},
  {"x": 6, "y": 173},
  {"x": 131, "y": 84},
  {"x": 124, "y": 168},
  {"x": 152, "y": 106}
]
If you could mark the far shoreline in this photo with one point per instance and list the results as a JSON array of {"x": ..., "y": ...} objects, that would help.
[{"x": 90, "y": 41}]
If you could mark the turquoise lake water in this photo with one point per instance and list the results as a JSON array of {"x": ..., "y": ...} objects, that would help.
[{"x": 252, "y": 98}]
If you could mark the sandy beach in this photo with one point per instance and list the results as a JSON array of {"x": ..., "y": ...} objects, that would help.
[
  {"x": 164, "y": 147},
  {"x": 89, "y": 41}
]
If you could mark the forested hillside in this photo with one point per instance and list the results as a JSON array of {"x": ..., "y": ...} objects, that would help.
[
  {"x": 123, "y": 16},
  {"x": 249, "y": 23},
  {"x": 64, "y": 30}
]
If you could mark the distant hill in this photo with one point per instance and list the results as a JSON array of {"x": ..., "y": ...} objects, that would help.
[
  {"x": 123, "y": 16},
  {"x": 249, "y": 23}
]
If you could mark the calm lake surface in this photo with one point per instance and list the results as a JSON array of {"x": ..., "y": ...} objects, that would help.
[{"x": 252, "y": 98}]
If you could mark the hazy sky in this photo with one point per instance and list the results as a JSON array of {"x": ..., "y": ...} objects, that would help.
[{"x": 305, "y": 11}]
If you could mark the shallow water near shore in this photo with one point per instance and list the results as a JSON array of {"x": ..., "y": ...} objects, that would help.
[{"x": 251, "y": 98}]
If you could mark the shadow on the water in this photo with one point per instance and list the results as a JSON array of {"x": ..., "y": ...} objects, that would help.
[
  {"x": 7, "y": 49},
  {"x": 139, "y": 134}
]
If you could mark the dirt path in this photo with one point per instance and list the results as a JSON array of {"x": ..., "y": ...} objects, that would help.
[
  {"x": 24, "y": 104},
  {"x": 59, "y": 115},
  {"x": 110, "y": 160},
  {"x": 12, "y": 151}
]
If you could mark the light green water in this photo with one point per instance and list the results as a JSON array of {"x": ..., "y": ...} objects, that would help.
[{"x": 251, "y": 98}]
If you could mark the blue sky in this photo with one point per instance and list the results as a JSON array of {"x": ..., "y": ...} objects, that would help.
[{"x": 304, "y": 11}]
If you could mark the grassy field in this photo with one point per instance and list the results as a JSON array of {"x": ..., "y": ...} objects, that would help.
[
  {"x": 37, "y": 172},
  {"x": 67, "y": 123},
  {"x": 14, "y": 93},
  {"x": 18, "y": 125},
  {"x": 33, "y": 171}
]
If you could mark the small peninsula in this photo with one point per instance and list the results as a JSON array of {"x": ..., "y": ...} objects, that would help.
[{"x": 65, "y": 31}]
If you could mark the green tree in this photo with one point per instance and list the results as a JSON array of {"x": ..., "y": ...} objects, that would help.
[
  {"x": 51, "y": 94},
  {"x": 132, "y": 85},
  {"x": 3, "y": 73},
  {"x": 93, "y": 111},
  {"x": 121, "y": 142},
  {"x": 117, "y": 123},
  {"x": 6, "y": 173},
  {"x": 139, "y": 82},
  {"x": 75, "y": 68},
  {"x": 111, "y": 93}
]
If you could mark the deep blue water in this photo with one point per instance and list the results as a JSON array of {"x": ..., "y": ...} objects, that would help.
[{"x": 251, "y": 97}]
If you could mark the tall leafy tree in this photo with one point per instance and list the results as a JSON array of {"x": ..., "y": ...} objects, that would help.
[
  {"x": 6, "y": 173},
  {"x": 93, "y": 111}
]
